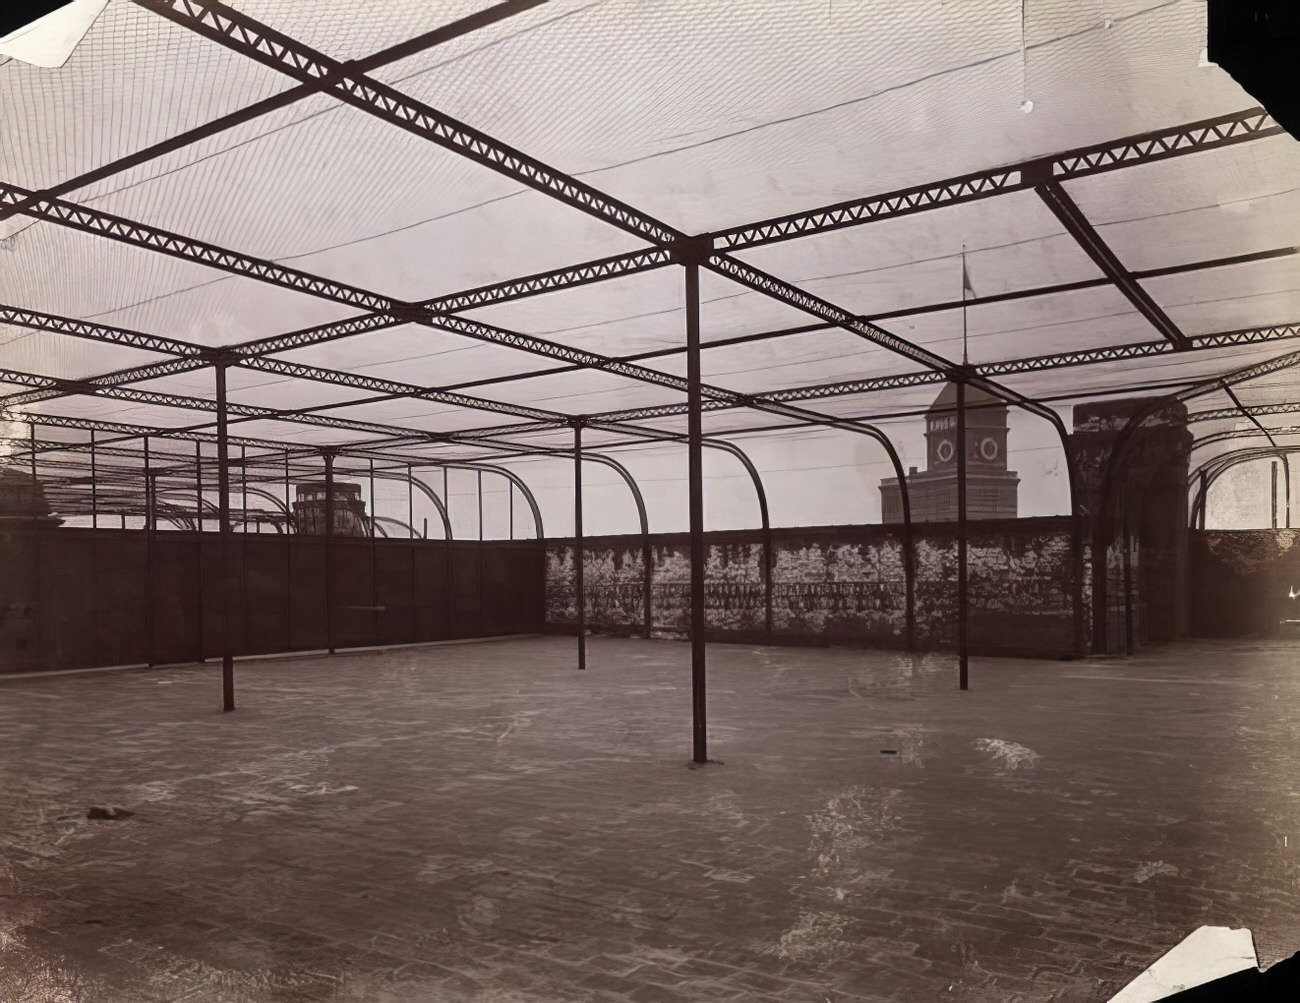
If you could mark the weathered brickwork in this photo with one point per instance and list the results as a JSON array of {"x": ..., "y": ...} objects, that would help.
[{"x": 833, "y": 585}]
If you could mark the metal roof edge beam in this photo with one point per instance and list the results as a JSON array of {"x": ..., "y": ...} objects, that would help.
[
  {"x": 1193, "y": 137},
  {"x": 251, "y": 38}
]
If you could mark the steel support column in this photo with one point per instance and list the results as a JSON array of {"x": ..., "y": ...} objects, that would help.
[
  {"x": 1273, "y": 492},
  {"x": 963, "y": 604},
  {"x": 328, "y": 456},
  {"x": 374, "y": 561},
  {"x": 1286, "y": 495},
  {"x": 223, "y": 564},
  {"x": 695, "y": 433},
  {"x": 579, "y": 557},
  {"x": 94, "y": 485},
  {"x": 36, "y": 547},
  {"x": 909, "y": 552},
  {"x": 150, "y": 524},
  {"x": 479, "y": 548},
  {"x": 198, "y": 549},
  {"x": 1127, "y": 535}
]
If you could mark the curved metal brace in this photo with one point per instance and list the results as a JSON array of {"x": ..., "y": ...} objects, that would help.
[
  {"x": 511, "y": 476},
  {"x": 909, "y": 544},
  {"x": 1220, "y": 465},
  {"x": 759, "y": 490},
  {"x": 1076, "y": 513},
  {"x": 1118, "y": 457},
  {"x": 647, "y": 561},
  {"x": 909, "y": 541},
  {"x": 396, "y": 522},
  {"x": 269, "y": 496},
  {"x": 423, "y": 488}
]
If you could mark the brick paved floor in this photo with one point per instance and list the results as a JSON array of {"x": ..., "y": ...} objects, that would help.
[{"x": 482, "y": 822}]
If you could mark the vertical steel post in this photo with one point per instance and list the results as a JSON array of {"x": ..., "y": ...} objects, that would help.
[
  {"x": 198, "y": 548},
  {"x": 909, "y": 552},
  {"x": 150, "y": 521},
  {"x": 480, "y": 552},
  {"x": 289, "y": 544},
  {"x": 374, "y": 560},
  {"x": 579, "y": 554},
  {"x": 647, "y": 585},
  {"x": 510, "y": 488},
  {"x": 1128, "y": 579},
  {"x": 448, "y": 578},
  {"x": 31, "y": 425},
  {"x": 223, "y": 516},
  {"x": 963, "y": 598},
  {"x": 94, "y": 485},
  {"x": 767, "y": 583},
  {"x": 1286, "y": 484},
  {"x": 1205, "y": 488},
  {"x": 243, "y": 546},
  {"x": 410, "y": 553},
  {"x": 1274, "y": 493},
  {"x": 695, "y": 437},
  {"x": 329, "y": 550},
  {"x": 36, "y": 550}
]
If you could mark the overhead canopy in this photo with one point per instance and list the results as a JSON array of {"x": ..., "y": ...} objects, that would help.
[{"x": 444, "y": 231}]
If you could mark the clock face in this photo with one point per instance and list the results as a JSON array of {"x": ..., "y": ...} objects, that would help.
[
  {"x": 943, "y": 452},
  {"x": 988, "y": 449}
]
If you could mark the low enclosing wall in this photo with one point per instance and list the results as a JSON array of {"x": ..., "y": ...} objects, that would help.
[
  {"x": 77, "y": 597},
  {"x": 1242, "y": 581},
  {"x": 832, "y": 585}
]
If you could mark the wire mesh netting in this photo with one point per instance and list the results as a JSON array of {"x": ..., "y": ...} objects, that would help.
[{"x": 327, "y": 216}]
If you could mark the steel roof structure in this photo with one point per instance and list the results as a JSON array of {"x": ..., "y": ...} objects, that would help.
[{"x": 489, "y": 236}]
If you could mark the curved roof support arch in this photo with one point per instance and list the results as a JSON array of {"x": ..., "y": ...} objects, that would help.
[
  {"x": 1118, "y": 460},
  {"x": 1204, "y": 476},
  {"x": 424, "y": 489}
]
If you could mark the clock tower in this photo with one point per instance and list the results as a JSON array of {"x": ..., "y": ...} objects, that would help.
[{"x": 991, "y": 487}]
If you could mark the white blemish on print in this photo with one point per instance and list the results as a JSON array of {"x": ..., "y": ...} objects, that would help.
[{"x": 1008, "y": 755}]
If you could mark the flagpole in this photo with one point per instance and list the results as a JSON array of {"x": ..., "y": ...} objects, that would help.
[
  {"x": 963, "y": 584},
  {"x": 965, "y": 284}
]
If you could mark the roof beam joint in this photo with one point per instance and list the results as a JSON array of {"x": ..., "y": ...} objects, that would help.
[{"x": 695, "y": 250}]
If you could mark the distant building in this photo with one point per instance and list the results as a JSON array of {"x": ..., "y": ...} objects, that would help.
[
  {"x": 991, "y": 489},
  {"x": 349, "y": 510}
]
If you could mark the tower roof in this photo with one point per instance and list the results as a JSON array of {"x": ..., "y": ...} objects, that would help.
[{"x": 947, "y": 399}]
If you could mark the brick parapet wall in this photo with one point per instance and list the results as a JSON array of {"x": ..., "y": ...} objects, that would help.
[{"x": 833, "y": 585}]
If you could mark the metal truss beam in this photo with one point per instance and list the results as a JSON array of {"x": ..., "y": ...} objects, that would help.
[
  {"x": 1060, "y": 360},
  {"x": 243, "y": 34},
  {"x": 358, "y": 381},
  {"x": 1145, "y": 148},
  {"x": 1247, "y": 433},
  {"x": 427, "y": 40},
  {"x": 126, "y": 231},
  {"x": 587, "y": 273},
  {"x": 37, "y": 321},
  {"x": 1246, "y": 412},
  {"x": 249, "y": 37},
  {"x": 776, "y": 288},
  {"x": 140, "y": 431},
  {"x": 1249, "y": 411},
  {"x": 1070, "y": 216}
]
